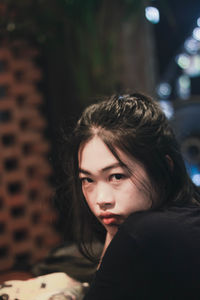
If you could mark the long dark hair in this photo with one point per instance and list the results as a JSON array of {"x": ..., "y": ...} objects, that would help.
[{"x": 136, "y": 125}]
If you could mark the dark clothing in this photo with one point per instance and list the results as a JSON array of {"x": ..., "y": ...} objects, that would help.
[{"x": 154, "y": 255}]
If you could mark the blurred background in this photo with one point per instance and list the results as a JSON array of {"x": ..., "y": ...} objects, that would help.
[{"x": 56, "y": 57}]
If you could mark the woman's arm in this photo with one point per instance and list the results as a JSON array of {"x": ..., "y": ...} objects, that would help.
[{"x": 117, "y": 273}]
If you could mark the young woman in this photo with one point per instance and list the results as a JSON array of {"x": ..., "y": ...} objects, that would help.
[{"x": 129, "y": 179}]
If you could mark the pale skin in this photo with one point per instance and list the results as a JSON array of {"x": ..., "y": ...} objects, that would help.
[{"x": 110, "y": 190}]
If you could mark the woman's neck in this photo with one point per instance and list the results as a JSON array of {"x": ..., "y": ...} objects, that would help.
[{"x": 108, "y": 239}]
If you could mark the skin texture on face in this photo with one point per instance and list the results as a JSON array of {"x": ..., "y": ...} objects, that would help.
[{"x": 111, "y": 192}]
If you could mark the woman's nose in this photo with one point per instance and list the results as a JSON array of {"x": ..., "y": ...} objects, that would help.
[{"x": 104, "y": 196}]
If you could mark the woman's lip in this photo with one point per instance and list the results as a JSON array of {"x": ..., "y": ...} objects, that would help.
[
  {"x": 108, "y": 215},
  {"x": 110, "y": 219}
]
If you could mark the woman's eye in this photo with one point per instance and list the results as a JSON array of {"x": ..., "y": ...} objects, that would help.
[
  {"x": 86, "y": 180},
  {"x": 117, "y": 177}
]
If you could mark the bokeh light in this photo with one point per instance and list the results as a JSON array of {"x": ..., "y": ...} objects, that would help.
[
  {"x": 164, "y": 90},
  {"x": 196, "y": 33},
  {"x": 167, "y": 108},
  {"x": 191, "y": 45},
  {"x": 152, "y": 14},
  {"x": 183, "y": 60}
]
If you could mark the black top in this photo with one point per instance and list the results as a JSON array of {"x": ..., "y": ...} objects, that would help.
[{"x": 154, "y": 255}]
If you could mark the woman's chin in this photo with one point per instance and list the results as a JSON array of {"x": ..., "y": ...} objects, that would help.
[{"x": 112, "y": 229}]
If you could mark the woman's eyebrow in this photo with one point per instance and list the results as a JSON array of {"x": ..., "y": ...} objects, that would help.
[
  {"x": 105, "y": 169},
  {"x": 115, "y": 165},
  {"x": 84, "y": 171}
]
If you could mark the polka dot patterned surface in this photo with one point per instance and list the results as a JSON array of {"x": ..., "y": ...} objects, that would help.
[{"x": 26, "y": 216}]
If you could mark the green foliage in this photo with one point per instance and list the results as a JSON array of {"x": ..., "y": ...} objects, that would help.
[
  {"x": 87, "y": 30},
  {"x": 43, "y": 20}
]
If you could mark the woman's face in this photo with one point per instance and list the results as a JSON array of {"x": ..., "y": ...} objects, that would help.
[{"x": 111, "y": 192}]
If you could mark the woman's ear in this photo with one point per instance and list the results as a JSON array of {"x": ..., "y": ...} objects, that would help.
[{"x": 169, "y": 162}]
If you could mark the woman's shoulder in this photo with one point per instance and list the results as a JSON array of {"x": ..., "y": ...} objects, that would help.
[{"x": 171, "y": 222}]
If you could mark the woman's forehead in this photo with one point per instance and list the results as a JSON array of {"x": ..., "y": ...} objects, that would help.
[{"x": 95, "y": 154}]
